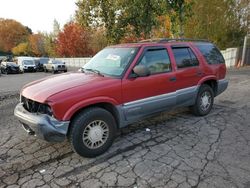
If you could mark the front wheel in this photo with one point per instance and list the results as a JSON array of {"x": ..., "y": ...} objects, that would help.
[
  {"x": 204, "y": 101},
  {"x": 92, "y": 132}
]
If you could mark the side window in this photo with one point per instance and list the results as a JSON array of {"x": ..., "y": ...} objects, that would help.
[
  {"x": 184, "y": 57},
  {"x": 211, "y": 53},
  {"x": 157, "y": 61}
]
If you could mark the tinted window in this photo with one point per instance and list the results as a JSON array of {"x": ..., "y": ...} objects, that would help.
[
  {"x": 211, "y": 53},
  {"x": 184, "y": 57},
  {"x": 156, "y": 60}
]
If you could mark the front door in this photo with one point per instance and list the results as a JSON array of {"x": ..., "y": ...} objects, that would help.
[{"x": 153, "y": 93}]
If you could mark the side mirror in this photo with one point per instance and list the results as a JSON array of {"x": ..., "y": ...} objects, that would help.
[{"x": 141, "y": 71}]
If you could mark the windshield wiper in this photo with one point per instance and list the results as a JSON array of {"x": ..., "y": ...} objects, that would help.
[{"x": 94, "y": 71}]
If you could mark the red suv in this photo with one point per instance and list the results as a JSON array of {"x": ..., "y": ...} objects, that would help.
[{"x": 118, "y": 86}]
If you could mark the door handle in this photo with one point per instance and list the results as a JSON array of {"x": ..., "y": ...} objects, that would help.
[
  {"x": 199, "y": 73},
  {"x": 172, "y": 79}
]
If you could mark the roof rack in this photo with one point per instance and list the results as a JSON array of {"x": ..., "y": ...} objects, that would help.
[{"x": 162, "y": 40}]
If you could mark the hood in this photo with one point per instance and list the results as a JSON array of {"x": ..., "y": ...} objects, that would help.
[
  {"x": 11, "y": 64},
  {"x": 42, "y": 89}
]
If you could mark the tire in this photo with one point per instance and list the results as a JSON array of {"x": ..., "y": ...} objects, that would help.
[
  {"x": 204, "y": 101},
  {"x": 81, "y": 127},
  {"x": 4, "y": 71},
  {"x": 65, "y": 71},
  {"x": 53, "y": 71},
  {"x": 45, "y": 70}
]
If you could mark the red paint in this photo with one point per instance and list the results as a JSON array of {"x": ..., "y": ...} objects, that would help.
[{"x": 68, "y": 93}]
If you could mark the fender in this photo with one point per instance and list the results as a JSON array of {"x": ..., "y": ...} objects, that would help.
[
  {"x": 91, "y": 101},
  {"x": 206, "y": 78}
]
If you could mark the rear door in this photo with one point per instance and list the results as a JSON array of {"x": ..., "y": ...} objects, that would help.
[
  {"x": 188, "y": 74},
  {"x": 154, "y": 93}
]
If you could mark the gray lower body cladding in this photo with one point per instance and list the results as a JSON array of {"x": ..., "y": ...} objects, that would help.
[{"x": 135, "y": 110}]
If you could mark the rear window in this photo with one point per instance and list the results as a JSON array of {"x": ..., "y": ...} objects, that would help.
[{"x": 211, "y": 53}]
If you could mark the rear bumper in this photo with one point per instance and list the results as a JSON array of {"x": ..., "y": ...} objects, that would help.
[
  {"x": 222, "y": 86},
  {"x": 41, "y": 125}
]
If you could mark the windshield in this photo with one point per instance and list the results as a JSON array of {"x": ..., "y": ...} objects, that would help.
[
  {"x": 28, "y": 62},
  {"x": 111, "y": 61}
]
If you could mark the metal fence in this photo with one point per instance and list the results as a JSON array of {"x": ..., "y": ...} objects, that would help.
[
  {"x": 231, "y": 56},
  {"x": 75, "y": 62}
]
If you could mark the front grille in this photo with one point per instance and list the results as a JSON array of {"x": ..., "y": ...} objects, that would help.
[
  {"x": 30, "y": 105},
  {"x": 61, "y": 66},
  {"x": 35, "y": 107},
  {"x": 30, "y": 68}
]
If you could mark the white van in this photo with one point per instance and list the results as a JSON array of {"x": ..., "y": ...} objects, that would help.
[{"x": 26, "y": 64}]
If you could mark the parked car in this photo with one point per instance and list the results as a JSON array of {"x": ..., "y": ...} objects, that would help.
[
  {"x": 40, "y": 62},
  {"x": 26, "y": 64},
  {"x": 121, "y": 85},
  {"x": 9, "y": 68},
  {"x": 55, "y": 66}
]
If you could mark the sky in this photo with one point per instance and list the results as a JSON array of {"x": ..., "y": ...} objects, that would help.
[{"x": 38, "y": 15}]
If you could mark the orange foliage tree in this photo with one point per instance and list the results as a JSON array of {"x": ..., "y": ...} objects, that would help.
[
  {"x": 37, "y": 46},
  {"x": 73, "y": 41},
  {"x": 11, "y": 34}
]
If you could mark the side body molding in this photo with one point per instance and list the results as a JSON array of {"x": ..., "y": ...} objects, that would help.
[{"x": 138, "y": 109}]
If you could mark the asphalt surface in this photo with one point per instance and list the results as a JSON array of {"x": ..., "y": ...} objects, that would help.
[{"x": 174, "y": 149}]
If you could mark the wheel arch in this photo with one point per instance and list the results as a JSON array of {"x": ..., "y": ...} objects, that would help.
[
  {"x": 108, "y": 105},
  {"x": 212, "y": 82}
]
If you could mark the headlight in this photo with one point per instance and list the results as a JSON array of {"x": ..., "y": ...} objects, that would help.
[{"x": 45, "y": 109}]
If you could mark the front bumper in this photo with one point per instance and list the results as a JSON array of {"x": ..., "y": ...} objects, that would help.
[
  {"x": 222, "y": 86},
  {"x": 29, "y": 69},
  {"x": 41, "y": 125}
]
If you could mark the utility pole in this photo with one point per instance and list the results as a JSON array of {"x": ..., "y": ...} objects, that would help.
[{"x": 244, "y": 50}]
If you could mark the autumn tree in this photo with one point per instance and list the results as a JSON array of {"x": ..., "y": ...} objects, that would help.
[
  {"x": 37, "y": 44},
  {"x": 98, "y": 39},
  {"x": 11, "y": 34},
  {"x": 73, "y": 41},
  {"x": 21, "y": 49}
]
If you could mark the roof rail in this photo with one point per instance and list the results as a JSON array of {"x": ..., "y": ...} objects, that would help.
[{"x": 162, "y": 40}]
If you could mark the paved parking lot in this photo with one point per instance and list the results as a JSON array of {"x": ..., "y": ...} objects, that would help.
[{"x": 177, "y": 150}]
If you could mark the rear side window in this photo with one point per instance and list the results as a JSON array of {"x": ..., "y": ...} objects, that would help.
[
  {"x": 211, "y": 53},
  {"x": 184, "y": 57},
  {"x": 157, "y": 60}
]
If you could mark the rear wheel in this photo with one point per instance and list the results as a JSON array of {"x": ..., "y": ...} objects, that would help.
[
  {"x": 92, "y": 132},
  {"x": 204, "y": 101}
]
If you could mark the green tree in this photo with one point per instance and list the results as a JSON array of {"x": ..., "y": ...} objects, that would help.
[
  {"x": 49, "y": 44},
  {"x": 179, "y": 11},
  {"x": 116, "y": 16},
  {"x": 217, "y": 21},
  {"x": 142, "y": 16},
  {"x": 98, "y": 13}
]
